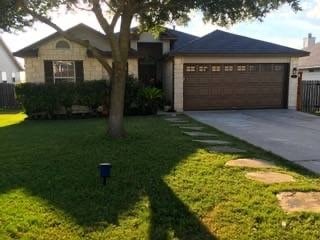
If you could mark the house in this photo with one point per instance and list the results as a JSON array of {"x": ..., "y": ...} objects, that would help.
[
  {"x": 10, "y": 69},
  {"x": 310, "y": 65},
  {"x": 218, "y": 71}
]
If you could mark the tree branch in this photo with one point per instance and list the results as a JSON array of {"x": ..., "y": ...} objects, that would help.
[
  {"x": 68, "y": 36},
  {"x": 108, "y": 29}
]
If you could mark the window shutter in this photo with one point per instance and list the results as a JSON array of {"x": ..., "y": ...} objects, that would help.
[
  {"x": 48, "y": 71},
  {"x": 79, "y": 71}
]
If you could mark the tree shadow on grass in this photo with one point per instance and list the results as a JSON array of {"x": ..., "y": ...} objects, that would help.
[{"x": 57, "y": 161}]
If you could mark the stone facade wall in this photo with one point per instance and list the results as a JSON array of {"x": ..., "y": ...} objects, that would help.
[
  {"x": 180, "y": 61},
  {"x": 293, "y": 85},
  {"x": 178, "y": 84},
  {"x": 93, "y": 70},
  {"x": 168, "y": 80}
]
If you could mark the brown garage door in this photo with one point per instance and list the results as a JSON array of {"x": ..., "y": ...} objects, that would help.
[{"x": 232, "y": 86}]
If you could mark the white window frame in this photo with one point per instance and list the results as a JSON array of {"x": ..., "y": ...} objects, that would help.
[
  {"x": 241, "y": 68},
  {"x": 4, "y": 77},
  {"x": 228, "y": 68},
  {"x": 71, "y": 78},
  {"x": 216, "y": 68},
  {"x": 203, "y": 68}
]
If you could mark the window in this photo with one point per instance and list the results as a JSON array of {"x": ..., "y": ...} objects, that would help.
[
  {"x": 314, "y": 70},
  {"x": 62, "y": 45},
  {"x": 190, "y": 68},
  {"x": 216, "y": 68},
  {"x": 4, "y": 77},
  {"x": 228, "y": 68},
  {"x": 63, "y": 71},
  {"x": 203, "y": 68},
  {"x": 277, "y": 68},
  {"x": 241, "y": 68}
]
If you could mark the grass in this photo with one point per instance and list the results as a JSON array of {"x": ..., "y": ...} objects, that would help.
[{"x": 163, "y": 185}]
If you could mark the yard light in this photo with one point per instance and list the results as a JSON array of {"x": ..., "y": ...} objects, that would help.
[{"x": 105, "y": 169}]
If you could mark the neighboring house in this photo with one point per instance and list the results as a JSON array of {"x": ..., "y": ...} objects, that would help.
[
  {"x": 218, "y": 71},
  {"x": 310, "y": 65},
  {"x": 10, "y": 69}
]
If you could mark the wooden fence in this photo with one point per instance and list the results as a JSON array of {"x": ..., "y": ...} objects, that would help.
[
  {"x": 7, "y": 96},
  {"x": 310, "y": 96}
]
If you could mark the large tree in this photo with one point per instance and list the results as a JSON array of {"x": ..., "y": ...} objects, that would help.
[{"x": 17, "y": 14}]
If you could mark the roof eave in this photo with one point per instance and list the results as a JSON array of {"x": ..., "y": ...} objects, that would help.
[{"x": 298, "y": 54}]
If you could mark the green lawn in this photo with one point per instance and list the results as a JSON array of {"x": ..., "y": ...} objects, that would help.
[{"x": 163, "y": 186}]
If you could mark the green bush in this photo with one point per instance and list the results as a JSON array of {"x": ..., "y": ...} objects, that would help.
[
  {"x": 140, "y": 100},
  {"x": 150, "y": 99},
  {"x": 45, "y": 99}
]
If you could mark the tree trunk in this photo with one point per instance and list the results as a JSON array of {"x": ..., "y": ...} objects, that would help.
[{"x": 118, "y": 83}]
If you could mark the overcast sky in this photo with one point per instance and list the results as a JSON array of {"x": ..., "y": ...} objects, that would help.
[{"x": 283, "y": 26}]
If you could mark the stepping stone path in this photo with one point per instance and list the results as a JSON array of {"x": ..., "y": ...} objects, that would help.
[
  {"x": 225, "y": 149},
  {"x": 300, "y": 201},
  {"x": 212, "y": 142},
  {"x": 199, "y": 134},
  {"x": 192, "y": 128},
  {"x": 250, "y": 163},
  {"x": 270, "y": 177}
]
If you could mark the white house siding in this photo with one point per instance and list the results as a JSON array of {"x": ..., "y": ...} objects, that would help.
[
  {"x": 8, "y": 68},
  {"x": 168, "y": 80},
  {"x": 310, "y": 76},
  {"x": 93, "y": 70},
  {"x": 180, "y": 61}
]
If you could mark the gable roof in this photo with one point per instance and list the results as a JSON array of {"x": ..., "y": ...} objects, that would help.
[
  {"x": 224, "y": 43},
  {"x": 97, "y": 39},
  {"x": 13, "y": 59},
  {"x": 180, "y": 38},
  {"x": 312, "y": 61},
  {"x": 81, "y": 31}
]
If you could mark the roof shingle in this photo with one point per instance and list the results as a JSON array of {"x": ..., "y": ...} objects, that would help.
[{"x": 224, "y": 43}]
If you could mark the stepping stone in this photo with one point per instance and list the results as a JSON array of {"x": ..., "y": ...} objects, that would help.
[
  {"x": 176, "y": 120},
  {"x": 225, "y": 149},
  {"x": 199, "y": 134},
  {"x": 212, "y": 142},
  {"x": 179, "y": 124},
  {"x": 270, "y": 177},
  {"x": 250, "y": 163},
  {"x": 173, "y": 119},
  {"x": 300, "y": 201},
  {"x": 192, "y": 128}
]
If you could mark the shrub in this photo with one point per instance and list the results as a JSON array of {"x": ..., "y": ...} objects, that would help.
[
  {"x": 131, "y": 103},
  {"x": 140, "y": 100},
  {"x": 45, "y": 99},
  {"x": 150, "y": 98}
]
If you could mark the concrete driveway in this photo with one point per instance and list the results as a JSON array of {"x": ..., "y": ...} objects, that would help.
[{"x": 292, "y": 135}]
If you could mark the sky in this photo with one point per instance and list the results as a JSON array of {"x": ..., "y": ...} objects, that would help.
[{"x": 283, "y": 26}]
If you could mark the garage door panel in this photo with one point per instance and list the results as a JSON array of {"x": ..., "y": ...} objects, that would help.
[{"x": 262, "y": 88}]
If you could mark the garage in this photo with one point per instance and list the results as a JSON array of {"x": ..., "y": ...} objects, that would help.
[{"x": 235, "y": 86}]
